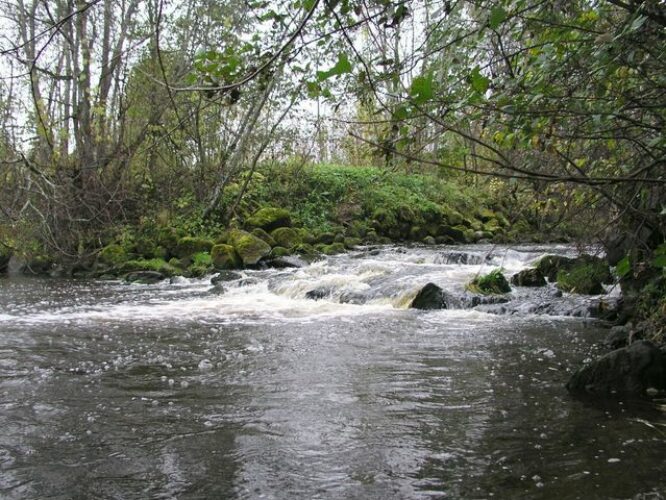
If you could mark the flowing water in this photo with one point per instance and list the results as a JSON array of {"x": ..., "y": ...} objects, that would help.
[{"x": 254, "y": 389}]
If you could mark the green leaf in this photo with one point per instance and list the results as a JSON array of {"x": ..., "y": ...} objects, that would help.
[
  {"x": 623, "y": 267},
  {"x": 309, "y": 4},
  {"x": 479, "y": 82},
  {"x": 497, "y": 16},
  {"x": 659, "y": 261},
  {"x": 421, "y": 89},
  {"x": 341, "y": 67}
]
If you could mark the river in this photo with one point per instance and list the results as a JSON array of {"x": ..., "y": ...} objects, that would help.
[{"x": 254, "y": 389}]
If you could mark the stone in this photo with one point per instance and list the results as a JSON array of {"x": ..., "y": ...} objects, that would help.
[
  {"x": 529, "y": 277},
  {"x": 317, "y": 294},
  {"x": 629, "y": 371},
  {"x": 145, "y": 277},
  {"x": 189, "y": 245},
  {"x": 225, "y": 257},
  {"x": 224, "y": 276},
  {"x": 261, "y": 234},
  {"x": 248, "y": 247},
  {"x": 286, "y": 237},
  {"x": 455, "y": 234},
  {"x": 270, "y": 218},
  {"x": 618, "y": 337},
  {"x": 429, "y": 297},
  {"x": 325, "y": 238}
]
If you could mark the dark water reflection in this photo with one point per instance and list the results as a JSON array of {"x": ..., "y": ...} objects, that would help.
[{"x": 388, "y": 404}]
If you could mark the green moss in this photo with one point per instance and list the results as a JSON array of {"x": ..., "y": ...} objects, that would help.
[
  {"x": 325, "y": 238},
  {"x": 280, "y": 252},
  {"x": 270, "y": 218},
  {"x": 489, "y": 284},
  {"x": 112, "y": 255},
  {"x": 351, "y": 242},
  {"x": 583, "y": 278},
  {"x": 249, "y": 248},
  {"x": 158, "y": 265},
  {"x": 286, "y": 237},
  {"x": 332, "y": 249},
  {"x": 190, "y": 245},
  {"x": 260, "y": 233},
  {"x": 224, "y": 257}
]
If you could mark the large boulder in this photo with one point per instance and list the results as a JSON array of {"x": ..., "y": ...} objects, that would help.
[
  {"x": 225, "y": 257},
  {"x": 583, "y": 278},
  {"x": 429, "y": 297},
  {"x": 269, "y": 218},
  {"x": 630, "y": 371},
  {"x": 529, "y": 277},
  {"x": 550, "y": 265},
  {"x": 190, "y": 245},
  {"x": 248, "y": 247},
  {"x": 286, "y": 237}
]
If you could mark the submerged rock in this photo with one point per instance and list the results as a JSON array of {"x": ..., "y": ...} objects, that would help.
[
  {"x": 628, "y": 371},
  {"x": 529, "y": 277},
  {"x": 429, "y": 297}
]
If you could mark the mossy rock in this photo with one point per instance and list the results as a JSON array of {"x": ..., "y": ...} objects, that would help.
[
  {"x": 167, "y": 238},
  {"x": 224, "y": 257},
  {"x": 332, "y": 249},
  {"x": 189, "y": 245},
  {"x": 372, "y": 236},
  {"x": 485, "y": 214},
  {"x": 112, "y": 255},
  {"x": 453, "y": 217},
  {"x": 493, "y": 283},
  {"x": 280, "y": 252},
  {"x": 417, "y": 233},
  {"x": 357, "y": 229},
  {"x": 306, "y": 236},
  {"x": 286, "y": 237},
  {"x": 260, "y": 233},
  {"x": 156, "y": 265},
  {"x": 456, "y": 234},
  {"x": 325, "y": 238},
  {"x": 583, "y": 278},
  {"x": 492, "y": 226},
  {"x": 429, "y": 240},
  {"x": 529, "y": 277},
  {"x": 350, "y": 242},
  {"x": 305, "y": 249},
  {"x": 248, "y": 247},
  {"x": 269, "y": 218}
]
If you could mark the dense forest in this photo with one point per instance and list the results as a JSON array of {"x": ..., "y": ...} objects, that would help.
[{"x": 137, "y": 134}]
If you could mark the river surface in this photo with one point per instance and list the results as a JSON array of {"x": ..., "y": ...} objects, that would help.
[{"x": 192, "y": 391}]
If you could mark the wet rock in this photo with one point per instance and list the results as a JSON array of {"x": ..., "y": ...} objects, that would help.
[
  {"x": 145, "y": 277},
  {"x": 429, "y": 297},
  {"x": 352, "y": 298},
  {"x": 224, "y": 276},
  {"x": 529, "y": 277},
  {"x": 551, "y": 264},
  {"x": 463, "y": 258},
  {"x": 286, "y": 262},
  {"x": 317, "y": 294},
  {"x": 630, "y": 371},
  {"x": 469, "y": 301},
  {"x": 618, "y": 337}
]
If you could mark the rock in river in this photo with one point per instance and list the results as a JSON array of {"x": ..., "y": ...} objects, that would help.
[
  {"x": 429, "y": 297},
  {"x": 629, "y": 371}
]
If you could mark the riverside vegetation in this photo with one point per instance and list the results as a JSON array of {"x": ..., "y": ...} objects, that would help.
[{"x": 182, "y": 150}]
